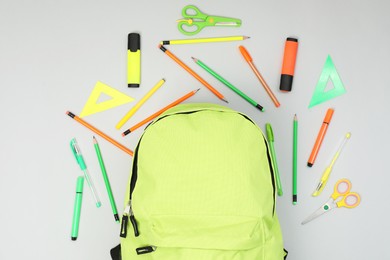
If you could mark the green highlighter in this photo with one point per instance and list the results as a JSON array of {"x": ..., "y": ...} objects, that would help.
[
  {"x": 77, "y": 207},
  {"x": 270, "y": 137}
]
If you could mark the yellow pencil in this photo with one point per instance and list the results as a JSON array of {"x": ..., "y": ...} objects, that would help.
[
  {"x": 204, "y": 40},
  {"x": 139, "y": 104}
]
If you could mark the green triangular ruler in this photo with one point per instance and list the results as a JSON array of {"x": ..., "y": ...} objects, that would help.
[
  {"x": 320, "y": 93},
  {"x": 93, "y": 105}
]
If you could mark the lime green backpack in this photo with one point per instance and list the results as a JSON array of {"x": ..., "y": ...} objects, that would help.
[{"x": 202, "y": 187}]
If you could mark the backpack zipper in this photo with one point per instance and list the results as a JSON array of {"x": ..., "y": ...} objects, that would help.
[{"x": 128, "y": 212}]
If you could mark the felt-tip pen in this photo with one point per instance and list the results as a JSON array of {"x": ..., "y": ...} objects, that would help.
[{"x": 77, "y": 207}]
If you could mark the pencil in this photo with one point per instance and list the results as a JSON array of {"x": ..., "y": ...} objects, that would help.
[
  {"x": 295, "y": 160},
  {"x": 193, "y": 73},
  {"x": 106, "y": 180},
  {"x": 205, "y": 40},
  {"x": 228, "y": 84},
  {"x": 151, "y": 117},
  {"x": 97, "y": 131},
  {"x": 139, "y": 104},
  {"x": 248, "y": 58}
]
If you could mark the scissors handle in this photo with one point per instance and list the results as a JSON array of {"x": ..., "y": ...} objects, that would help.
[
  {"x": 351, "y": 200},
  {"x": 191, "y": 11},
  {"x": 188, "y": 27},
  {"x": 341, "y": 188}
]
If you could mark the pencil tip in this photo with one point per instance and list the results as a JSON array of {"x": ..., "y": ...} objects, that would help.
[
  {"x": 246, "y": 37},
  {"x": 197, "y": 90},
  {"x": 225, "y": 100}
]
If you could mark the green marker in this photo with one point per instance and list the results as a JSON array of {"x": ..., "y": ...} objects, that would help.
[
  {"x": 77, "y": 207},
  {"x": 228, "y": 84},
  {"x": 295, "y": 158},
  {"x": 106, "y": 181},
  {"x": 270, "y": 137}
]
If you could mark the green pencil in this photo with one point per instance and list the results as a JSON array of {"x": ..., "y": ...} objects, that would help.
[
  {"x": 228, "y": 84},
  {"x": 295, "y": 158},
  {"x": 106, "y": 181}
]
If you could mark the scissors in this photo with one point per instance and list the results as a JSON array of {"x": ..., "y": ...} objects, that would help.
[
  {"x": 194, "y": 20},
  {"x": 348, "y": 199}
]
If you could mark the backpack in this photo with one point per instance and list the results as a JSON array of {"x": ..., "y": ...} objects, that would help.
[{"x": 202, "y": 187}]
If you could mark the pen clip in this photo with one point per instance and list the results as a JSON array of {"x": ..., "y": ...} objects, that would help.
[{"x": 77, "y": 154}]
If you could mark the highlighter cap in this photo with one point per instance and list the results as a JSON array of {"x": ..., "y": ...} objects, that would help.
[
  {"x": 270, "y": 133},
  {"x": 328, "y": 115},
  {"x": 134, "y": 42}
]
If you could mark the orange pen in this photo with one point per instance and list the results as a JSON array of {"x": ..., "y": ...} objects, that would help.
[
  {"x": 193, "y": 73},
  {"x": 151, "y": 117},
  {"x": 97, "y": 131},
  {"x": 320, "y": 137},
  {"x": 248, "y": 58}
]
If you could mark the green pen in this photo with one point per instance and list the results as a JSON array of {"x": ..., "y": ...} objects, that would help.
[
  {"x": 80, "y": 160},
  {"x": 270, "y": 137},
  {"x": 106, "y": 181},
  {"x": 228, "y": 84},
  {"x": 77, "y": 207}
]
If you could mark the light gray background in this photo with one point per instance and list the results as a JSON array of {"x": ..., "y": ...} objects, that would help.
[{"x": 52, "y": 53}]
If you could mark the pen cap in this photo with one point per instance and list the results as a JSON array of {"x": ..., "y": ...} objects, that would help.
[
  {"x": 77, "y": 154},
  {"x": 270, "y": 133},
  {"x": 245, "y": 53},
  {"x": 80, "y": 184},
  {"x": 288, "y": 67},
  {"x": 328, "y": 115}
]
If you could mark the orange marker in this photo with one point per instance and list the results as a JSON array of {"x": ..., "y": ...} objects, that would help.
[
  {"x": 193, "y": 73},
  {"x": 131, "y": 129},
  {"x": 290, "y": 55},
  {"x": 320, "y": 137},
  {"x": 248, "y": 58},
  {"x": 97, "y": 131}
]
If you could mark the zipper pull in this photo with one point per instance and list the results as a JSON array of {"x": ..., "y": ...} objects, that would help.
[
  {"x": 133, "y": 221},
  {"x": 125, "y": 220},
  {"x": 145, "y": 250}
]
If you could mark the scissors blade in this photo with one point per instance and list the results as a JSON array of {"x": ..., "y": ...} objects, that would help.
[
  {"x": 325, "y": 208},
  {"x": 227, "y": 24}
]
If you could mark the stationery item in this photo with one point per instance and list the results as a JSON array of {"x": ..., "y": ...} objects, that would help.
[
  {"x": 97, "y": 131},
  {"x": 270, "y": 137},
  {"x": 133, "y": 60},
  {"x": 193, "y": 73},
  {"x": 106, "y": 180},
  {"x": 320, "y": 137},
  {"x": 139, "y": 104},
  {"x": 80, "y": 160},
  {"x": 205, "y": 40},
  {"x": 289, "y": 58},
  {"x": 248, "y": 58},
  {"x": 151, "y": 117},
  {"x": 77, "y": 208},
  {"x": 93, "y": 106},
  {"x": 194, "y": 21},
  {"x": 228, "y": 84},
  {"x": 341, "y": 190},
  {"x": 320, "y": 93},
  {"x": 328, "y": 170},
  {"x": 295, "y": 160}
]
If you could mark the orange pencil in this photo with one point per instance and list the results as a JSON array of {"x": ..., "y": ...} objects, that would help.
[
  {"x": 97, "y": 131},
  {"x": 151, "y": 117},
  {"x": 320, "y": 137},
  {"x": 193, "y": 73},
  {"x": 248, "y": 58}
]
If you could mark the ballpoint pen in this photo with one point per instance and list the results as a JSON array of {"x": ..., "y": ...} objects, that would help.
[
  {"x": 270, "y": 137},
  {"x": 106, "y": 180},
  {"x": 80, "y": 160},
  {"x": 328, "y": 170}
]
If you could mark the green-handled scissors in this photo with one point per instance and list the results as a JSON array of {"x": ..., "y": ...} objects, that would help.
[
  {"x": 194, "y": 20},
  {"x": 342, "y": 189}
]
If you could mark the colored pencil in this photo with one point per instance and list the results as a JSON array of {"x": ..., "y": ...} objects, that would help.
[
  {"x": 193, "y": 73},
  {"x": 100, "y": 133},
  {"x": 228, "y": 84},
  {"x": 151, "y": 117},
  {"x": 205, "y": 40},
  {"x": 139, "y": 104},
  {"x": 295, "y": 160}
]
